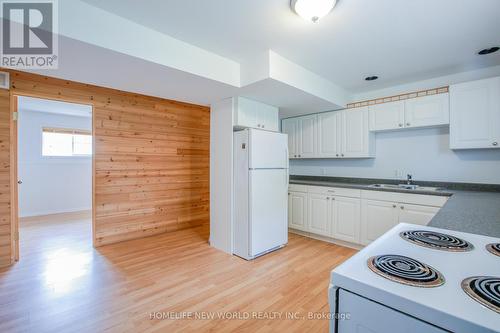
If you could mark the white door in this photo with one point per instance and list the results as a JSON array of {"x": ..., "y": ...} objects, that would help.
[
  {"x": 431, "y": 110},
  {"x": 307, "y": 136},
  {"x": 290, "y": 127},
  {"x": 268, "y": 210},
  {"x": 416, "y": 214},
  {"x": 475, "y": 114},
  {"x": 297, "y": 210},
  {"x": 355, "y": 133},
  {"x": 387, "y": 116},
  {"x": 267, "y": 149},
  {"x": 329, "y": 134},
  {"x": 318, "y": 209},
  {"x": 347, "y": 219},
  {"x": 377, "y": 217}
]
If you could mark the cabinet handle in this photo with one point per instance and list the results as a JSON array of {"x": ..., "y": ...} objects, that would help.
[
  {"x": 294, "y": 155},
  {"x": 342, "y": 155},
  {"x": 327, "y": 198},
  {"x": 263, "y": 126},
  {"x": 402, "y": 207},
  {"x": 408, "y": 124},
  {"x": 300, "y": 156},
  {"x": 393, "y": 206},
  {"x": 337, "y": 155},
  {"x": 495, "y": 143},
  {"x": 400, "y": 125},
  {"x": 332, "y": 191},
  {"x": 333, "y": 198}
]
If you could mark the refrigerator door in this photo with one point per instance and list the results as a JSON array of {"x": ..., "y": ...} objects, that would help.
[
  {"x": 268, "y": 210},
  {"x": 268, "y": 150}
]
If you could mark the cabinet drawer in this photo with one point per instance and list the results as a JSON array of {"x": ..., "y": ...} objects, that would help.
[
  {"x": 409, "y": 198},
  {"x": 297, "y": 188},
  {"x": 337, "y": 191}
]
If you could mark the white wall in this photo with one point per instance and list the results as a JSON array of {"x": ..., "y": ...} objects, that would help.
[
  {"x": 424, "y": 153},
  {"x": 51, "y": 184}
]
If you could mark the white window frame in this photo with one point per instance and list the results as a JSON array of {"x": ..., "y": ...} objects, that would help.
[{"x": 71, "y": 131}]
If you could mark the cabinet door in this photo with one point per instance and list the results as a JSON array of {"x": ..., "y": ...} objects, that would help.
[
  {"x": 416, "y": 214},
  {"x": 267, "y": 117},
  {"x": 245, "y": 113},
  {"x": 319, "y": 211},
  {"x": 297, "y": 210},
  {"x": 475, "y": 114},
  {"x": 355, "y": 133},
  {"x": 377, "y": 217},
  {"x": 346, "y": 214},
  {"x": 307, "y": 137},
  {"x": 329, "y": 127},
  {"x": 387, "y": 116},
  {"x": 426, "y": 111},
  {"x": 290, "y": 127}
]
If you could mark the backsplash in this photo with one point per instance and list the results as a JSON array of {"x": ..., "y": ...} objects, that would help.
[{"x": 424, "y": 153}]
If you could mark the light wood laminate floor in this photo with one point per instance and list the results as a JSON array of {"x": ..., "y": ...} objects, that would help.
[{"x": 62, "y": 284}]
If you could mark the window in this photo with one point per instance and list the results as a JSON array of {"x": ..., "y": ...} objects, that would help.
[{"x": 66, "y": 142}]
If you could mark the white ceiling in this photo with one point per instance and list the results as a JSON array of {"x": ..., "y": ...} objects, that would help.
[
  {"x": 401, "y": 41},
  {"x": 54, "y": 107}
]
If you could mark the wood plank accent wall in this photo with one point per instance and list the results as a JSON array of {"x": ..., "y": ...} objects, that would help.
[
  {"x": 151, "y": 158},
  {"x": 5, "y": 179}
]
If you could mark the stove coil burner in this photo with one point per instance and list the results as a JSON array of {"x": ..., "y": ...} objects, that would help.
[
  {"x": 494, "y": 248},
  {"x": 485, "y": 290},
  {"x": 436, "y": 240},
  {"x": 405, "y": 270}
]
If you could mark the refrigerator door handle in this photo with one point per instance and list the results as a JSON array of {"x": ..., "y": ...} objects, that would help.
[{"x": 287, "y": 169}]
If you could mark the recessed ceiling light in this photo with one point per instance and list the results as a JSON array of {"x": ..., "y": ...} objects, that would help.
[
  {"x": 312, "y": 10},
  {"x": 489, "y": 51},
  {"x": 371, "y": 78}
]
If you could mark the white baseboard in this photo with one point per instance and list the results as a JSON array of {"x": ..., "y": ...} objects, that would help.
[{"x": 327, "y": 239}]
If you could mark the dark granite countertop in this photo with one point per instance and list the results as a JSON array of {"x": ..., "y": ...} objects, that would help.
[{"x": 473, "y": 208}]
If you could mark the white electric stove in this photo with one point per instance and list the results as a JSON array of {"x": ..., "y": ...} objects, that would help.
[{"x": 419, "y": 279}]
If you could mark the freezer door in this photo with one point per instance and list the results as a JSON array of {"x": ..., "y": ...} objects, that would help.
[
  {"x": 268, "y": 210},
  {"x": 268, "y": 150}
]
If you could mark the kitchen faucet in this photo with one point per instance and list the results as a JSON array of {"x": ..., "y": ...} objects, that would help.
[{"x": 409, "y": 179}]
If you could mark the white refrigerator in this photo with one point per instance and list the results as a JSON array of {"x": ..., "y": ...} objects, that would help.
[{"x": 261, "y": 192}]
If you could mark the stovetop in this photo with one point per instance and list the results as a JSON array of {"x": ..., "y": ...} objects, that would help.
[{"x": 442, "y": 301}]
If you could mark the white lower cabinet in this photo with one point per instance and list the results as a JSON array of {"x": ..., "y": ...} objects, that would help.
[
  {"x": 377, "y": 218},
  {"x": 354, "y": 216},
  {"x": 297, "y": 210},
  {"x": 346, "y": 218},
  {"x": 380, "y": 216},
  {"x": 319, "y": 214},
  {"x": 416, "y": 214}
]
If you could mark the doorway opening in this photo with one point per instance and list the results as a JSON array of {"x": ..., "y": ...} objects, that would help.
[{"x": 55, "y": 185}]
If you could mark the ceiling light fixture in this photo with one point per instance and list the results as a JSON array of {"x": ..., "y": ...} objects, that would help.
[
  {"x": 371, "y": 78},
  {"x": 489, "y": 51},
  {"x": 312, "y": 10}
]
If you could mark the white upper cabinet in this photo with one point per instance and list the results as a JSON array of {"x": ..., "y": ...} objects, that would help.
[
  {"x": 387, "y": 116},
  {"x": 291, "y": 127},
  {"x": 336, "y": 134},
  {"x": 249, "y": 113},
  {"x": 433, "y": 110},
  {"x": 329, "y": 130},
  {"x": 475, "y": 114},
  {"x": 427, "y": 111},
  {"x": 357, "y": 141},
  {"x": 307, "y": 137}
]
